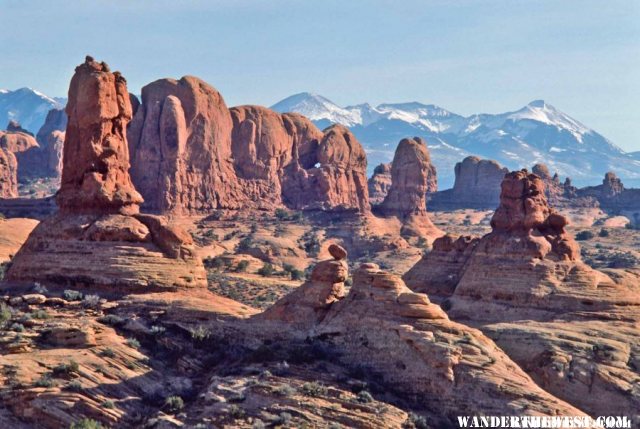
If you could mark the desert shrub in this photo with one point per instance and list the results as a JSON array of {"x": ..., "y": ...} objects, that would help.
[
  {"x": 245, "y": 243},
  {"x": 111, "y": 319},
  {"x": 40, "y": 314},
  {"x": 91, "y": 301},
  {"x": 108, "y": 352},
  {"x": 72, "y": 295},
  {"x": 17, "y": 327},
  {"x": 267, "y": 270},
  {"x": 44, "y": 381},
  {"x": 75, "y": 386},
  {"x": 108, "y": 404},
  {"x": 415, "y": 421},
  {"x": 216, "y": 263},
  {"x": 314, "y": 389},
  {"x": 158, "y": 330},
  {"x": 283, "y": 419},
  {"x": 297, "y": 275},
  {"x": 174, "y": 404},
  {"x": 282, "y": 214},
  {"x": 622, "y": 260},
  {"x": 38, "y": 288},
  {"x": 5, "y": 314},
  {"x": 134, "y": 343},
  {"x": 236, "y": 412},
  {"x": 258, "y": 424},
  {"x": 603, "y": 233},
  {"x": 199, "y": 333},
  {"x": 584, "y": 235},
  {"x": 86, "y": 424},
  {"x": 66, "y": 368},
  {"x": 284, "y": 390},
  {"x": 364, "y": 397},
  {"x": 242, "y": 266}
]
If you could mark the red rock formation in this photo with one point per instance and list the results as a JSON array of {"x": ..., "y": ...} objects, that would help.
[
  {"x": 180, "y": 145},
  {"x": 438, "y": 273},
  {"x": 95, "y": 177},
  {"x": 525, "y": 286},
  {"x": 22, "y": 144},
  {"x": 191, "y": 154},
  {"x": 614, "y": 197},
  {"x": 410, "y": 344},
  {"x": 477, "y": 185},
  {"x": 379, "y": 183},
  {"x": 97, "y": 238},
  {"x": 50, "y": 137},
  {"x": 8, "y": 174},
  {"x": 411, "y": 172},
  {"x": 264, "y": 144},
  {"x": 337, "y": 181}
]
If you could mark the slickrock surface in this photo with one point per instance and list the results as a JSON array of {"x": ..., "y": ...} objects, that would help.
[
  {"x": 411, "y": 173},
  {"x": 574, "y": 329},
  {"x": 8, "y": 174},
  {"x": 410, "y": 344},
  {"x": 98, "y": 237},
  {"x": 13, "y": 233},
  {"x": 379, "y": 183},
  {"x": 477, "y": 185}
]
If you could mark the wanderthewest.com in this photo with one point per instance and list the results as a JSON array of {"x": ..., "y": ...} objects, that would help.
[{"x": 543, "y": 422}]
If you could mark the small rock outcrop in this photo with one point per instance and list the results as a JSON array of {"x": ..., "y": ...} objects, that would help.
[
  {"x": 379, "y": 183},
  {"x": 8, "y": 174},
  {"x": 477, "y": 185},
  {"x": 50, "y": 137},
  {"x": 614, "y": 197},
  {"x": 98, "y": 238},
  {"x": 406, "y": 340}
]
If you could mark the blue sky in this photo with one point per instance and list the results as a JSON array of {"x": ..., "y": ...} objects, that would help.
[{"x": 467, "y": 56}]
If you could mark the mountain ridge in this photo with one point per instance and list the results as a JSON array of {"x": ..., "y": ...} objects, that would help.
[{"x": 537, "y": 132}]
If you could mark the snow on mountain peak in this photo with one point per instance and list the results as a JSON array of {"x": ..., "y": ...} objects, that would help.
[
  {"x": 540, "y": 111},
  {"x": 316, "y": 108}
]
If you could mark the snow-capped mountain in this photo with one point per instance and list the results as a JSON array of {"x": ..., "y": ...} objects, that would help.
[
  {"x": 27, "y": 106},
  {"x": 536, "y": 133}
]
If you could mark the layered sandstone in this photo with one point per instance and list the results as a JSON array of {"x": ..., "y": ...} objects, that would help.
[
  {"x": 191, "y": 154},
  {"x": 477, "y": 185},
  {"x": 415, "y": 350},
  {"x": 50, "y": 137},
  {"x": 411, "y": 175},
  {"x": 8, "y": 174},
  {"x": 614, "y": 197},
  {"x": 379, "y": 183},
  {"x": 22, "y": 144},
  {"x": 180, "y": 145},
  {"x": 98, "y": 238},
  {"x": 334, "y": 178},
  {"x": 525, "y": 286}
]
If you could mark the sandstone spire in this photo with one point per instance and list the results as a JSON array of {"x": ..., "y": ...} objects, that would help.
[{"x": 95, "y": 173}]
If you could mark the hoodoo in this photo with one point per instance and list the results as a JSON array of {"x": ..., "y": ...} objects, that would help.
[{"x": 97, "y": 237}]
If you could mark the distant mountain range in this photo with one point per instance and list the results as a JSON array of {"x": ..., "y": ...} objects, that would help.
[
  {"x": 536, "y": 133},
  {"x": 27, "y": 106}
]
